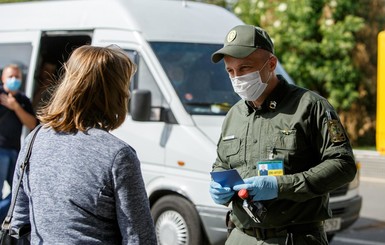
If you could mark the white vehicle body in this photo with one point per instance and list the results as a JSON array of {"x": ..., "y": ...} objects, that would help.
[{"x": 177, "y": 142}]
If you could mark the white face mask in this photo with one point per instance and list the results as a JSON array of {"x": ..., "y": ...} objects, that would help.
[{"x": 250, "y": 86}]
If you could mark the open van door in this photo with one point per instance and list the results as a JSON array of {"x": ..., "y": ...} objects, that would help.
[{"x": 21, "y": 48}]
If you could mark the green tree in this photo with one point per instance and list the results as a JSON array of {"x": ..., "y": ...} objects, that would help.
[
  {"x": 314, "y": 41},
  {"x": 328, "y": 46},
  {"x": 15, "y": 1}
]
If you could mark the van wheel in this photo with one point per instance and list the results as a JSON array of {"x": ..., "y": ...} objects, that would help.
[{"x": 176, "y": 221}]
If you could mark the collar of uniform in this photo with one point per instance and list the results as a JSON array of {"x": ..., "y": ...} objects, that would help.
[
  {"x": 251, "y": 108},
  {"x": 275, "y": 97}
]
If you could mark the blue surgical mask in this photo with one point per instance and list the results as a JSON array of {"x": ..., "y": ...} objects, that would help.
[{"x": 13, "y": 84}]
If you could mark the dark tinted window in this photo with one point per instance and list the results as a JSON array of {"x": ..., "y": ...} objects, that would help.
[{"x": 203, "y": 87}]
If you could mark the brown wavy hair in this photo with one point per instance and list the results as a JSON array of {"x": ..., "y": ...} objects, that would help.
[{"x": 93, "y": 91}]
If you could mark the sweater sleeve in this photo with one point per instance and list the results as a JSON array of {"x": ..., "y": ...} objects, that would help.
[{"x": 132, "y": 205}]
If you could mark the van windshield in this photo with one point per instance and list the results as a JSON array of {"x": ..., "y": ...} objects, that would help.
[{"x": 202, "y": 86}]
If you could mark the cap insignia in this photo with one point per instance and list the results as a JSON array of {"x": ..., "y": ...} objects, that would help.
[{"x": 231, "y": 36}]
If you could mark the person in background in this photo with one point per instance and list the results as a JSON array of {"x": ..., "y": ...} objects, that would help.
[
  {"x": 285, "y": 125},
  {"x": 84, "y": 185},
  {"x": 15, "y": 111},
  {"x": 44, "y": 83}
]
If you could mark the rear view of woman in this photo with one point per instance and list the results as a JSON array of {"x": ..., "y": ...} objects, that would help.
[{"x": 84, "y": 185}]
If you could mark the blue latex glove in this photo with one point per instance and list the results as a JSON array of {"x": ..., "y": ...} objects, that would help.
[
  {"x": 220, "y": 195},
  {"x": 260, "y": 187}
]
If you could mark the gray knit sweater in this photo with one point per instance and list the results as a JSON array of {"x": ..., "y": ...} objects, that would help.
[{"x": 83, "y": 188}]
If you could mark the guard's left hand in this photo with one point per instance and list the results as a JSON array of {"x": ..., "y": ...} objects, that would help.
[{"x": 260, "y": 187}]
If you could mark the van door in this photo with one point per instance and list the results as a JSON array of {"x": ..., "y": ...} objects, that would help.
[
  {"x": 145, "y": 137},
  {"x": 20, "y": 48}
]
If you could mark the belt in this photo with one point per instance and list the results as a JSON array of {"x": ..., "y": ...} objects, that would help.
[{"x": 263, "y": 234}]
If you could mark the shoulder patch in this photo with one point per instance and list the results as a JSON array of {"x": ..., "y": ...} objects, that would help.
[{"x": 336, "y": 131}]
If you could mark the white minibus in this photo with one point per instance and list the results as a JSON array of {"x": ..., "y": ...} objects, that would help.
[{"x": 179, "y": 98}]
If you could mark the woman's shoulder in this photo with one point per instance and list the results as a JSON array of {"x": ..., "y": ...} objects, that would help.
[
  {"x": 106, "y": 138},
  {"x": 93, "y": 138}
]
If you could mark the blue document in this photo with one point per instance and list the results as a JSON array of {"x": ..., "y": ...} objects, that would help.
[{"x": 227, "y": 178}]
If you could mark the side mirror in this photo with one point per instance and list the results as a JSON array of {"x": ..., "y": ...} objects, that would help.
[{"x": 140, "y": 105}]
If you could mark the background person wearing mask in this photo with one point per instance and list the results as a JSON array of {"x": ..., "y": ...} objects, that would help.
[
  {"x": 277, "y": 124},
  {"x": 15, "y": 111},
  {"x": 84, "y": 185}
]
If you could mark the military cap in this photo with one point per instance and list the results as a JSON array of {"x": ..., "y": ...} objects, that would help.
[{"x": 242, "y": 40}]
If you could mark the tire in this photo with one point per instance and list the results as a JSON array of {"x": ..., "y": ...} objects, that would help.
[{"x": 176, "y": 221}]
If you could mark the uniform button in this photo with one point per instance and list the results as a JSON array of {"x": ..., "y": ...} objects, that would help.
[{"x": 255, "y": 141}]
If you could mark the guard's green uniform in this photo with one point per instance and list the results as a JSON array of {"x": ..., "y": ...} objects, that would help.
[{"x": 301, "y": 128}]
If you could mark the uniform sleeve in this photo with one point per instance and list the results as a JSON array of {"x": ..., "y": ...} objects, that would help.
[
  {"x": 336, "y": 165},
  {"x": 132, "y": 205}
]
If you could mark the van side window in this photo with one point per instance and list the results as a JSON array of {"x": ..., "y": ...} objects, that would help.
[
  {"x": 144, "y": 80},
  {"x": 16, "y": 53}
]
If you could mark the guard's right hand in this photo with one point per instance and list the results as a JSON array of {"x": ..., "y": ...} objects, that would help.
[{"x": 220, "y": 195}]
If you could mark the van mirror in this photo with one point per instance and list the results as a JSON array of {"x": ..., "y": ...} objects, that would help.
[{"x": 140, "y": 105}]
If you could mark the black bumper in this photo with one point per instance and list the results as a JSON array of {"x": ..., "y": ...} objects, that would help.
[{"x": 348, "y": 211}]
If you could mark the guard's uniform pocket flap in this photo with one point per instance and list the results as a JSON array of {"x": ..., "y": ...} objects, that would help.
[
  {"x": 231, "y": 146},
  {"x": 286, "y": 139}
]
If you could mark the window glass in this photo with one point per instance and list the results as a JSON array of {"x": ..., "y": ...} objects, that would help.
[
  {"x": 144, "y": 80},
  {"x": 202, "y": 86},
  {"x": 16, "y": 53}
]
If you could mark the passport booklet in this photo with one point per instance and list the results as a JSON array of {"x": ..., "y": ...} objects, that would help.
[{"x": 227, "y": 178}]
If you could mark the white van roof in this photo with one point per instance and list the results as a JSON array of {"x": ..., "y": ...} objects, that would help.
[{"x": 158, "y": 20}]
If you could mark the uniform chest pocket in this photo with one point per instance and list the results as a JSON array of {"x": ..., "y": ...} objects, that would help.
[
  {"x": 286, "y": 140},
  {"x": 231, "y": 149}
]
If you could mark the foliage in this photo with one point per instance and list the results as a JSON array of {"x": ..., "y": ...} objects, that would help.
[
  {"x": 328, "y": 46},
  {"x": 314, "y": 41},
  {"x": 15, "y": 1}
]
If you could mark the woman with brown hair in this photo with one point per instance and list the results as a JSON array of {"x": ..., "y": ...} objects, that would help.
[{"x": 84, "y": 185}]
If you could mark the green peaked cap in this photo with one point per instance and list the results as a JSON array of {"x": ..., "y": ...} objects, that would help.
[{"x": 242, "y": 40}]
